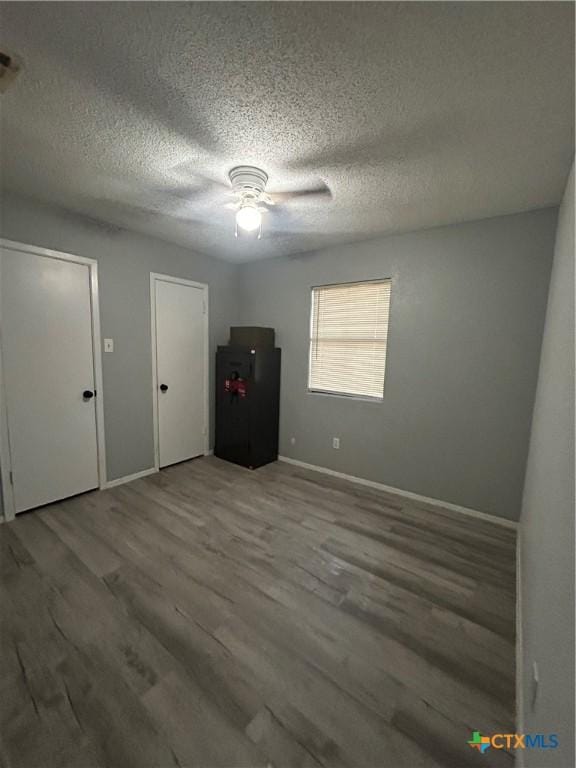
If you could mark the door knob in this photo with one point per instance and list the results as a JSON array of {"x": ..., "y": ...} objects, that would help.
[
  {"x": 87, "y": 394},
  {"x": 163, "y": 387}
]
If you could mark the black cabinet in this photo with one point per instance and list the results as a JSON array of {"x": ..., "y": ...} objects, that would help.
[{"x": 247, "y": 405}]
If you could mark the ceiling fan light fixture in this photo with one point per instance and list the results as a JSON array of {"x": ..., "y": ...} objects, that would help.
[
  {"x": 249, "y": 218},
  {"x": 249, "y": 188}
]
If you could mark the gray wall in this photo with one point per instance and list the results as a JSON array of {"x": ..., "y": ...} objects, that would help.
[
  {"x": 547, "y": 530},
  {"x": 467, "y": 313},
  {"x": 125, "y": 261}
]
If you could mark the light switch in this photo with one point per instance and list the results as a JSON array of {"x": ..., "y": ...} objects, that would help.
[{"x": 108, "y": 345}]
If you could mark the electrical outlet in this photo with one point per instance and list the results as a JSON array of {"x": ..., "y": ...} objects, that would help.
[{"x": 336, "y": 442}]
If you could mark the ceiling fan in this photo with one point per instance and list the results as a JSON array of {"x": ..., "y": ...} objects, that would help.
[{"x": 252, "y": 201}]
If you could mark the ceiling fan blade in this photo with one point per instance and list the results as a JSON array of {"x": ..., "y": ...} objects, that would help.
[
  {"x": 211, "y": 181},
  {"x": 184, "y": 192},
  {"x": 186, "y": 198},
  {"x": 195, "y": 186},
  {"x": 188, "y": 170},
  {"x": 319, "y": 192}
]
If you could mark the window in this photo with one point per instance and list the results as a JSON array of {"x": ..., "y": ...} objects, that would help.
[{"x": 348, "y": 338}]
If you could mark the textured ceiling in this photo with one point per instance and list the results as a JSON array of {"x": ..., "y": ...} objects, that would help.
[{"x": 414, "y": 114}]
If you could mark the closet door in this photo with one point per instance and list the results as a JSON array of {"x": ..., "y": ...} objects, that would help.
[
  {"x": 48, "y": 374},
  {"x": 181, "y": 376}
]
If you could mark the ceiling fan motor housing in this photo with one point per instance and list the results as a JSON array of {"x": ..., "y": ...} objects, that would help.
[{"x": 248, "y": 182}]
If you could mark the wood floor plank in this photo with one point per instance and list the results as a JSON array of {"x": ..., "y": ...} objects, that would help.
[{"x": 211, "y": 616}]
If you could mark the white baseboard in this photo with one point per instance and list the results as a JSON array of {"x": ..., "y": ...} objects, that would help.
[
  {"x": 138, "y": 475},
  {"x": 407, "y": 494},
  {"x": 129, "y": 478},
  {"x": 519, "y": 652}
]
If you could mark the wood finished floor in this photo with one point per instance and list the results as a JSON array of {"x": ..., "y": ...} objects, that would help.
[{"x": 211, "y": 616}]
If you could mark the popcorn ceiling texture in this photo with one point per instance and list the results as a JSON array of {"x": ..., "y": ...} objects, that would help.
[{"x": 414, "y": 114}]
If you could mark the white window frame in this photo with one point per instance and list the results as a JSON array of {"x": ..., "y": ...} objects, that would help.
[{"x": 331, "y": 393}]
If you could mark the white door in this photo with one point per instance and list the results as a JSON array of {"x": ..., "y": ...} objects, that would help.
[
  {"x": 48, "y": 371},
  {"x": 180, "y": 370}
]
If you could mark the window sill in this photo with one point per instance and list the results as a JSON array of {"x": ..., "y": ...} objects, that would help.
[{"x": 344, "y": 396}]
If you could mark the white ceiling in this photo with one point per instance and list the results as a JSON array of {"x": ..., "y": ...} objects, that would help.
[{"x": 414, "y": 114}]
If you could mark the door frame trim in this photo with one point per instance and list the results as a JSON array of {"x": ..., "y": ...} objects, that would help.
[
  {"x": 5, "y": 456},
  {"x": 157, "y": 276}
]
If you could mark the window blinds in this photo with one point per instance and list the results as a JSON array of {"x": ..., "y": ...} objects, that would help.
[{"x": 348, "y": 338}]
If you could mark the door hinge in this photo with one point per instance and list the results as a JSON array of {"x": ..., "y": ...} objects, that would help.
[
  {"x": 203, "y": 307},
  {"x": 11, "y": 476}
]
